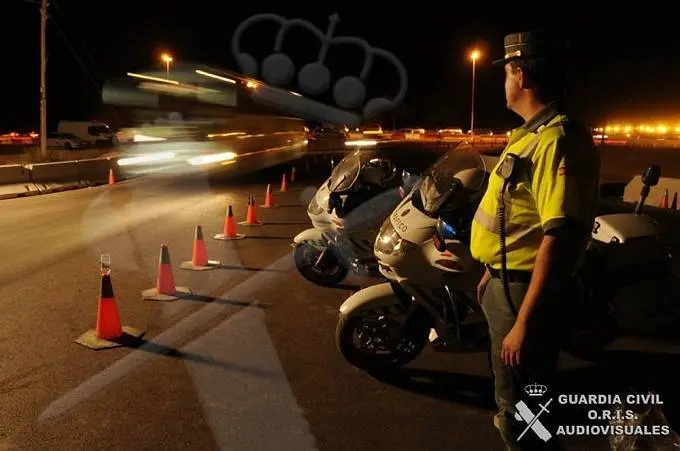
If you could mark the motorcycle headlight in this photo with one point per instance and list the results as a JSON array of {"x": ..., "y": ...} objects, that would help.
[{"x": 389, "y": 242}]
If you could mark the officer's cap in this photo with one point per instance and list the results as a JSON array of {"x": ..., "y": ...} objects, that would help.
[{"x": 532, "y": 44}]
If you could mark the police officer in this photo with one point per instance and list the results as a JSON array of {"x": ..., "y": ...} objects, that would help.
[{"x": 550, "y": 203}]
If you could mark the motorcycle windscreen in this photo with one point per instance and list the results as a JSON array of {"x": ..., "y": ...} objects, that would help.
[
  {"x": 346, "y": 173},
  {"x": 456, "y": 171}
]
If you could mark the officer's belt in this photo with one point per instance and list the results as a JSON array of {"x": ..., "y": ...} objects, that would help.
[{"x": 514, "y": 276}]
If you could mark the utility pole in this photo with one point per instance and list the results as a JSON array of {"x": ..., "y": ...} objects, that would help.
[{"x": 43, "y": 77}]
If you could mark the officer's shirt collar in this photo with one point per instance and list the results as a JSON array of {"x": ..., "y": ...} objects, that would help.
[{"x": 542, "y": 117}]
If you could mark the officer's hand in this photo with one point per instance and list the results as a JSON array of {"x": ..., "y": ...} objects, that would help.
[
  {"x": 512, "y": 345},
  {"x": 481, "y": 286}
]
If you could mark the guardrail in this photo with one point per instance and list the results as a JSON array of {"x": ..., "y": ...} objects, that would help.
[{"x": 18, "y": 180}]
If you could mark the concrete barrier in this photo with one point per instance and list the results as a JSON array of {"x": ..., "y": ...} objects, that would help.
[
  {"x": 15, "y": 182},
  {"x": 632, "y": 191},
  {"x": 50, "y": 177},
  {"x": 96, "y": 171}
]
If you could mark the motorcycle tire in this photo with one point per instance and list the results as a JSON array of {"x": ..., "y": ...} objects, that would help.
[
  {"x": 307, "y": 270},
  {"x": 344, "y": 341}
]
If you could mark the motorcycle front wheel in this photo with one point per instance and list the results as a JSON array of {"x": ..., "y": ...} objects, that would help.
[
  {"x": 362, "y": 338},
  {"x": 330, "y": 272}
]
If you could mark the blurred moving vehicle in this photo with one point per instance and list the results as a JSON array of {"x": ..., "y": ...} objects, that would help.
[
  {"x": 65, "y": 141},
  {"x": 328, "y": 134}
]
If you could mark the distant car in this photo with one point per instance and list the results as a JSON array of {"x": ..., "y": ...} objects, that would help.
[
  {"x": 327, "y": 133},
  {"x": 65, "y": 141}
]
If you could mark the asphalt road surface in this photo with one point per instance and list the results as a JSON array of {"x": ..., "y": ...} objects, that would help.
[{"x": 247, "y": 363}]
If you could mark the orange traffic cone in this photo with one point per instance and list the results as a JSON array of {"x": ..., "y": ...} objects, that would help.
[
  {"x": 108, "y": 332},
  {"x": 165, "y": 289},
  {"x": 268, "y": 198},
  {"x": 292, "y": 174},
  {"x": 664, "y": 200},
  {"x": 229, "y": 232},
  {"x": 251, "y": 215},
  {"x": 112, "y": 178},
  {"x": 284, "y": 184},
  {"x": 674, "y": 203},
  {"x": 199, "y": 260}
]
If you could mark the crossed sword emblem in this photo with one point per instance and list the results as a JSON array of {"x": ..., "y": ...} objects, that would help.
[{"x": 525, "y": 414}]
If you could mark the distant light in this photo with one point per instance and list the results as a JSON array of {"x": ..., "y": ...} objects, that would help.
[
  {"x": 662, "y": 129},
  {"x": 216, "y": 77},
  {"x": 251, "y": 84},
  {"x": 143, "y": 138},
  {"x": 216, "y": 158},
  {"x": 296, "y": 94},
  {"x": 166, "y": 58},
  {"x": 361, "y": 142},
  {"x": 474, "y": 56},
  {"x": 146, "y": 159},
  {"x": 146, "y": 77}
]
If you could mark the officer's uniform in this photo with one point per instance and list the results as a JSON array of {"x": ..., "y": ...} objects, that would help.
[{"x": 557, "y": 181}]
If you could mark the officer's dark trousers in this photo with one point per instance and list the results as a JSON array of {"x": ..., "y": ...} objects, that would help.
[{"x": 538, "y": 362}]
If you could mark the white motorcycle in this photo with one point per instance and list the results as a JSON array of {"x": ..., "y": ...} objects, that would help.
[
  {"x": 423, "y": 251},
  {"x": 346, "y": 213}
]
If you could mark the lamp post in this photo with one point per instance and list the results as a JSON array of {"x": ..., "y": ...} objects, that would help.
[
  {"x": 167, "y": 59},
  {"x": 474, "y": 56}
]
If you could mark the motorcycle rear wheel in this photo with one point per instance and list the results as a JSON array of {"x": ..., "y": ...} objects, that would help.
[
  {"x": 410, "y": 345},
  {"x": 331, "y": 273}
]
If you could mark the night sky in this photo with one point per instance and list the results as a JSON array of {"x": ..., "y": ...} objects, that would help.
[{"x": 624, "y": 67}]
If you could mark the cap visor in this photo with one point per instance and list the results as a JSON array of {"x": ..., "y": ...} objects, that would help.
[{"x": 500, "y": 62}]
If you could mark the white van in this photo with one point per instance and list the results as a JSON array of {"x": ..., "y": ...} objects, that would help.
[{"x": 96, "y": 133}]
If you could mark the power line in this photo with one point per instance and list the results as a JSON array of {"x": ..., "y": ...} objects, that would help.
[
  {"x": 81, "y": 41},
  {"x": 75, "y": 54}
]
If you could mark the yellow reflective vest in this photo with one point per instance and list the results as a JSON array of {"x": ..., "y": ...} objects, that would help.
[{"x": 558, "y": 179}]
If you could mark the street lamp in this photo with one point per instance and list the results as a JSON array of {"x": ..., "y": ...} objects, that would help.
[
  {"x": 474, "y": 56},
  {"x": 167, "y": 59}
]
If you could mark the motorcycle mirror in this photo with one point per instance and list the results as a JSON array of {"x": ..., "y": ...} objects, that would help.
[{"x": 652, "y": 175}]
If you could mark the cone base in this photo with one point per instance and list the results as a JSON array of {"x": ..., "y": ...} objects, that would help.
[
  {"x": 152, "y": 294},
  {"x": 253, "y": 224},
  {"x": 212, "y": 264},
  {"x": 270, "y": 206},
  {"x": 223, "y": 237},
  {"x": 130, "y": 337}
]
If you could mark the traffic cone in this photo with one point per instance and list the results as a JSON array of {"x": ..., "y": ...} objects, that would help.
[
  {"x": 284, "y": 184},
  {"x": 108, "y": 331},
  {"x": 112, "y": 178},
  {"x": 292, "y": 174},
  {"x": 165, "y": 289},
  {"x": 199, "y": 260},
  {"x": 229, "y": 232},
  {"x": 268, "y": 198},
  {"x": 251, "y": 214},
  {"x": 664, "y": 200},
  {"x": 674, "y": 203}
]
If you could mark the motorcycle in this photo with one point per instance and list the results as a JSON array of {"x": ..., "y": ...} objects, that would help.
[
  {"x": 346, "y": 212},
  {"x": 423, "y": 251}
]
